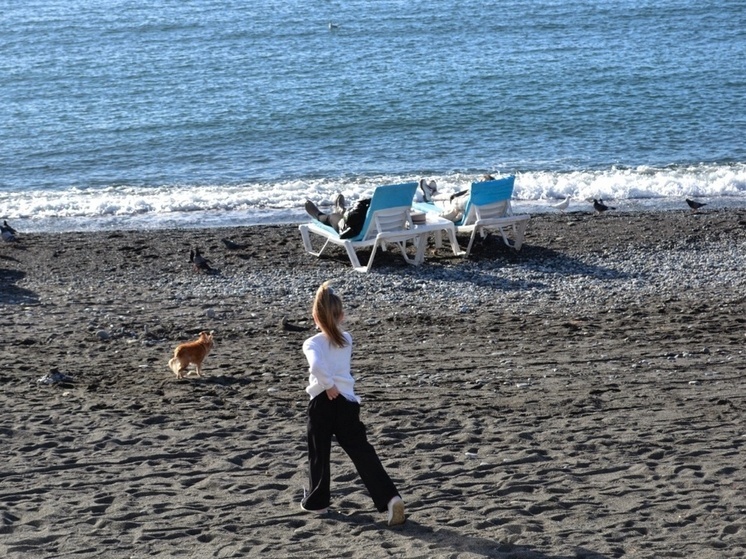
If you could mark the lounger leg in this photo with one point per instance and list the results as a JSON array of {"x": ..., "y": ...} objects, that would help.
[
  {"x": 421, "y": 244},
  {"x": 454, "y": 243},
  {"x": 367, "y": 267},
  {"x": 471, "y": 241},
  {"x": 306, "y": 236},
  {"x": 506, "y": 240},
  {"x": 519, "y": 234},
  {"x": 352, "y": 255},
  {"x": 519, "y": 230}
]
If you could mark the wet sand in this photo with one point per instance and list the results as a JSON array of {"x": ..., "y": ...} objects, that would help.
[{"x": 521, "y": 412}]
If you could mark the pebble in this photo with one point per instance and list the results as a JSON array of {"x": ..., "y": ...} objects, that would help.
[
  {"x": 623, "y": 277},
  {"x": 559, "y": 283}
]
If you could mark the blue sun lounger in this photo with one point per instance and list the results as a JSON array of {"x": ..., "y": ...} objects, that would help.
[
  {"x": 489, "y": 207},
  {"x": 388, "y": 220}
]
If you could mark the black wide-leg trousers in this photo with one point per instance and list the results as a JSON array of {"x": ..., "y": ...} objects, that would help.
[{"x": 341, "y": 417}]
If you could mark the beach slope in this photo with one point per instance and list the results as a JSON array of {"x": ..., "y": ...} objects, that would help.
[{"x": 583, "y": 397}]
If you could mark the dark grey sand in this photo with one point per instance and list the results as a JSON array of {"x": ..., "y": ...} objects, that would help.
[{"x": 584, "y": 397}]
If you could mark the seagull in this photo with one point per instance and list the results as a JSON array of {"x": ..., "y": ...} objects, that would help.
[
  {"x": 695, "y": 205},
  {"x": 600, "y": 207},
  {"x": 562, "y": 206},
  {"x": 199, "y": 261},
  {"x": 333, "y": 26},
  {"x": 7, "y": 232}
]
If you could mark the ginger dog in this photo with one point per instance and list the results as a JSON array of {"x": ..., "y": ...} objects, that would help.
[{"x": 191, "y": 352}]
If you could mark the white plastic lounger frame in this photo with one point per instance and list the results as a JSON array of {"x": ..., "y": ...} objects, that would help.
[
  {"x": 388, "y": 221},
  {"x": 489, "y": 208}
]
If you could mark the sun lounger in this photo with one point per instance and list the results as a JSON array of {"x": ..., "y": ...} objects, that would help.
[
  {"x": 388, "y": 221},
  {"x": 489, "y": 208}
]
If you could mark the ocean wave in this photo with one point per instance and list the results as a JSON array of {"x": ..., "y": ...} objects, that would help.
[{"x": 282, "y": 201}]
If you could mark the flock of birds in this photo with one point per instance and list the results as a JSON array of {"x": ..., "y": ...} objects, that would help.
[
  {"x": 203, "y": 264},
  {"x": 600, "y": 207}
]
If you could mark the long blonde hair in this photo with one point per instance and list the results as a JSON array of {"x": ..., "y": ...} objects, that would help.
[{"x": 328, "y": 313}]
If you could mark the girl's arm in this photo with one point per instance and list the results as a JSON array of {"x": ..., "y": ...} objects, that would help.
[{"x": 318, "y": 370}]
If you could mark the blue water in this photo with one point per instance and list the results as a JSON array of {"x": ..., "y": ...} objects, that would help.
[{"x": 173, "y": 112}]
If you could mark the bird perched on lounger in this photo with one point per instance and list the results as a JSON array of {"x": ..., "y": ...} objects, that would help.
[
  {"x": 600, "y": 207},
  {"x": 7, "y": 232},
  {"x": 694, "y": 205},
  {"x": 562, "y": 206},
  {"x": 201, "y": 264}
]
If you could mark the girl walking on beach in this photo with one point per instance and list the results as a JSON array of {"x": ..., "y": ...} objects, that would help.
[{"x": 335, "y": 410}]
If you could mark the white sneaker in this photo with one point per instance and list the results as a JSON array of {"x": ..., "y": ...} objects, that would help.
[
  {"x": 428, "y": 190},
  {"x": 432, "y": 189},
  {"x": 339, "y": 204},
  {"x": 317, "y": 511},
  {"x": 396, "y": 511}
]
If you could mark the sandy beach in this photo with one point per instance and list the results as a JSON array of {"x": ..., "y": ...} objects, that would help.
[{"x": 581, "y": 398}]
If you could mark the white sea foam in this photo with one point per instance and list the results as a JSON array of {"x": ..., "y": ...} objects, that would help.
[{"x": 282, "y": 202}]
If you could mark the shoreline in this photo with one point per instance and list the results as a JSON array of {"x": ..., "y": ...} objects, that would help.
[
  {"x": 221, "y": 219},
  {"x": 579, "y": 398}
]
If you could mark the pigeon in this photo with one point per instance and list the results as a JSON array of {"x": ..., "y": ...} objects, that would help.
[
  {"x": 55, "y": 377},
  {"x": 694, "y": 205},
  {"x": 230, "y": 245},
  {"x": 200, "y": 262},
  {"x": 562, "y": 206},
  {"x": 288, "y": 326},
  {"x": 600, "y": 207},
  {"x": 7, "y": 232}
]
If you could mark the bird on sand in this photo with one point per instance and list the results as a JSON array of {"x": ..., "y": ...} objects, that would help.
[
  {"x": 288, "y": 326},
  {"x": 600, "y": 207},
  {"x": 200, "y": 262},
  {"x": 231, "y": 245},
  {"x": 7, "y": 232},
  {"x": 562, "y": 206},
  {"x": 694, "y": 205}
]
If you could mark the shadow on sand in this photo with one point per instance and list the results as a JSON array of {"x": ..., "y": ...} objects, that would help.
[{"x": 10, "y": 293}]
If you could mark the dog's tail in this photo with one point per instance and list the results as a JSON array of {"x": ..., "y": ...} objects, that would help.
[{"x": 172, "y": 364}]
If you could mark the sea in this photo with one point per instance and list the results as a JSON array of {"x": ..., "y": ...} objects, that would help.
[{"x": 122, "y": 114}]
